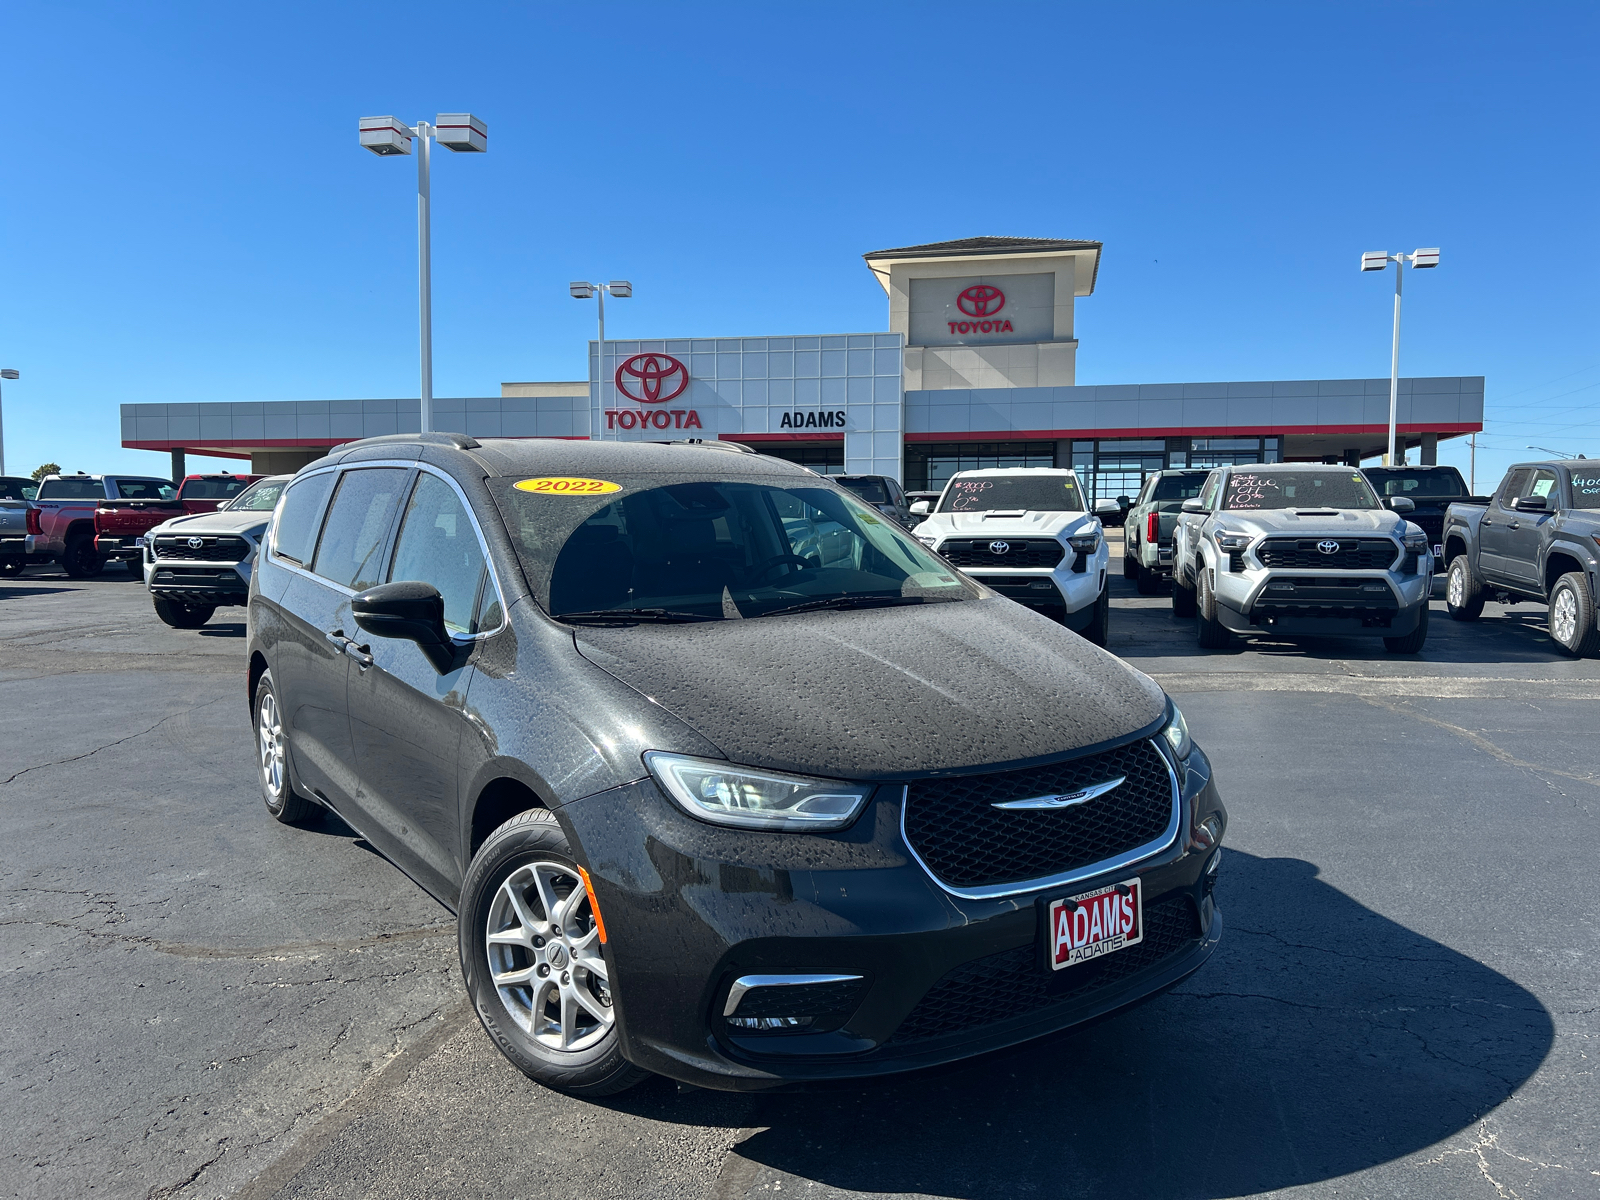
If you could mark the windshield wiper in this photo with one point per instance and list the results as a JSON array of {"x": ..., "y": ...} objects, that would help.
[
  {"x": 664, "y": 616},
  {"x": 846, "y": 602}
]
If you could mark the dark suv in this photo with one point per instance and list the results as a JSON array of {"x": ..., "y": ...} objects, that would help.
[{"x": 637, "y": 713}]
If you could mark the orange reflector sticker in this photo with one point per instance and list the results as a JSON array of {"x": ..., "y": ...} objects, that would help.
[
  {"x": 594, "y": 905},
  {"x": 567, "y": 485}
]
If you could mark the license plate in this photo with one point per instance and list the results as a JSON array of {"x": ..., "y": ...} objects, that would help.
[
  {"x": 138, "y": 543},
  {"x": 1438, "y": 551},
  {"x": 1091, "y": 925}
]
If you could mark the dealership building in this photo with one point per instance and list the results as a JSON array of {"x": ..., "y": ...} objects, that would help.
[{"x": 978, "y": 368}]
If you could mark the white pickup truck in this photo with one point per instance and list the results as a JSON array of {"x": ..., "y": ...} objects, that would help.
[{"x": 1024, "y": 531}]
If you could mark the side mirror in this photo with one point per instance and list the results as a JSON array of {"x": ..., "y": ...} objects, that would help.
[
  {"x": 1402, "y": 504},
  {"x": 414, "y": 612},
  {"x": 1193, "y": 505},
  {"x": 920, "y": 508},
  {"x": 1532, "y": 504}
]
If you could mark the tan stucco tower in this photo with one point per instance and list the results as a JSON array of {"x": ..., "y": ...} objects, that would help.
[{"x": 987, "y": 312}]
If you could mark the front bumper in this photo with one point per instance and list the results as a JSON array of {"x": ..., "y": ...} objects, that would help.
[
  {"x": 1058, "y": 592},
  {"x": 1304, "y": 601},
  {"x": 690, "y": 908},
  {"x": 221, "y": 584}
]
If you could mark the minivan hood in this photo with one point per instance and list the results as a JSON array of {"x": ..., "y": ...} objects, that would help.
[
  {"x": 1013, "y": 524},
  {"x": 883, "y": 693},
  {"x": 1314, "y": 522}
]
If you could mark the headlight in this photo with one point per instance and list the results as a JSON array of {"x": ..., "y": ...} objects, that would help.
[
  {"x": 727, "y": 795},
  {"x": 1084, "y": 543},
  {"x": 1417, "y": 542},
  {"x": 1177, "y": 734},
  {"x": 929, "y": 542},
  {"x": 1229, "y": 542}
]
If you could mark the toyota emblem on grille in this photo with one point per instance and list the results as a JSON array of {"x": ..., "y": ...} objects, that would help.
[
  {"x": 196, "y": 543},
  {"x": 1328, "y": 547},
  {"x": 999, "y": 547}
]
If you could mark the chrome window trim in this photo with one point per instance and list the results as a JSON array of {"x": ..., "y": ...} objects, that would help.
[
  {"x": 745, "y": 983},
  {"x": 288, "y": 564},
  {"x": 1120, "y": 862}
]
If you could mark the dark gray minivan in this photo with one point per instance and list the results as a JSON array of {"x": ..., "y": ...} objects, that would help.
[{"x": 726, "y": 776}]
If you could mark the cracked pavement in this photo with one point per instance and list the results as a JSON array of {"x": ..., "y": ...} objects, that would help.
[{"x": 202, "y": 1003}]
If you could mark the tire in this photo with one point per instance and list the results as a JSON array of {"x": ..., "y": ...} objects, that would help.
[
  {"x": 1182, "y": 596},
  {"x": 1098, "y": 630},
  {"x": 1572, "y": 616},
  {"x": 1412, "y": 642},
  {"x": 1211, "y": 633},
  {"x": 272, "y": 758},
  {"x": 183, "y": 616},
  {"x": 12, "y": 566},
  {"x": 1149, "y": 582},
  {"x": 1463, "y": 594},
  {"x": 79, "y": 560},
  {"x": 523, "y": 870},
  {"x": 1130, "y": 560}
]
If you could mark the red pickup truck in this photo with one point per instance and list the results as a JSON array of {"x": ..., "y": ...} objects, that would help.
[
  {"x": 65, "y": 521},
  {"x": 207, "y": 493}
]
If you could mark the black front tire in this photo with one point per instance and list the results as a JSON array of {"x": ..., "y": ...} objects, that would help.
[
  {"x": 12, "y": 566},
  {"x": 1572, "y": 616},
  {"x": 1463, "y": 594},
  {"x": 532, "y": 837},
  {"x": 1182, "y": 596},
  {"x": 183, "y": 616},
  {"x": 1411, "y": 642},
  {"x": 1211, "y": 633},
  {"x": 81, "y": 560},
  {"x": 1098, "y": 630},
  {"x": 1130, "y": 560},
  {"x": 1149, "y": 582},
  {"x": 283, "y": 801}
]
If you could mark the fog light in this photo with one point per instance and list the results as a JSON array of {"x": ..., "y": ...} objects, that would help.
[
  {"x": 790, "y": 1003},
  {"x": 769, "y": 1024}
]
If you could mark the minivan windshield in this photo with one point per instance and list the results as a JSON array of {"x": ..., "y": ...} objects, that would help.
[
  {"x": 1298, "y": 489},
  {"x": 1006, "y": 493},
  {"x": 714, "y": 550},
  {"x": 260, "y": 496}
]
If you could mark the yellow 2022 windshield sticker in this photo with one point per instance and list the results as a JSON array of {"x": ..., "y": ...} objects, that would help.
[{"x": 567, "y": 485}]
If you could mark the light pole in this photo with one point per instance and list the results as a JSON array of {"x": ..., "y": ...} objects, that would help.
[
  {"x": 622, "y": 290},
  {"x": 6, "y": 373},
  {"x": 1377, "y": 260},
  {"x": 388, "y": 136}
]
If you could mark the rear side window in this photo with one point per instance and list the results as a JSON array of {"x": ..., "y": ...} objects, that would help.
[
  {"x": 145, "y": 489},
  {"x": 72, "y": 489},
  {"x": 357, "y": 526},
  {"x": 296, "y": 532},
  {"x": 1514, "y": 483},
  {"x": 1208, "y": 494},
  {"x": 438, "y": 545},
  {"x": 1543, "y": 484}
]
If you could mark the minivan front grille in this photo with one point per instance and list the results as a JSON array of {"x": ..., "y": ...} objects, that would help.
[
  {"x": 967, "y": 843},
  {"x": 1018, "y": 552},
  {"x": 1353, "y": 554}
]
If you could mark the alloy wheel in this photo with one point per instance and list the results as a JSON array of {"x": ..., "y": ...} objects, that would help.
[
  {"x": 1564, "y": 617},
  {"x": 544, "y": 956},
  {"x": 269, "y": 743},
  {"x": 1456, "y": 589}
]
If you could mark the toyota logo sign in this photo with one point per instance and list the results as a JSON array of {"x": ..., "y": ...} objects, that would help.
[
  {"x": 653, "y": 376},
  {"x": 981, "y": 300},
  {"x": 1328, "y": 547},
  {"x": 999, "y": 547},
  {"x": 196, "y": 543}
]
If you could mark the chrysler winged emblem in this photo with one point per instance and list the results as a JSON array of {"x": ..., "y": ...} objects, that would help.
[
  {"x": 1065, "y": 799},
  {"x": 1329, "y": 546},
  {"x": 999, "y": 547}
]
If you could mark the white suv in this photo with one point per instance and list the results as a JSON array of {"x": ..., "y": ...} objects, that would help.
[{"x": 1024, "y": 532}]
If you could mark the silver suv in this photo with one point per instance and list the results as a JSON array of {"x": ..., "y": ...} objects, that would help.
[
  {"x": 195, "y": 564},
  {"x": 1300, "y": 549}
]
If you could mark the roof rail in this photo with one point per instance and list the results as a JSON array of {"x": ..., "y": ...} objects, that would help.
[
  {"x": 708, "y": 444},
  {"x": 459, "y": 440}
]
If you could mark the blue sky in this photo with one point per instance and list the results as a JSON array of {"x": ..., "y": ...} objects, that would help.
[{"x": 185, "y": 214}]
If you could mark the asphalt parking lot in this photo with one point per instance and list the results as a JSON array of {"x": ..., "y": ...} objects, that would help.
[{"x": 200, "y": 1002}]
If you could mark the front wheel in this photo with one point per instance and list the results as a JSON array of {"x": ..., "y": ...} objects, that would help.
[
  {"x": 1411, "y": 642},
  {"x": 533, "y": 959},
  {"x": 1098, "y": 630},
  {"x": 1572, "y": 616},
  {"x": 81, "y": 560},
  {"x": 1463, "y": 595},
  {"x": 183, "y": 616},
  {"x": 1211, "y": 633},
  {"x": 1182, "y": 595}
]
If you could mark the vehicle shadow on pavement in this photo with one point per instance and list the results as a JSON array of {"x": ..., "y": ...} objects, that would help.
[
  {"x": 1322, "y": 1039},
  {"x": 14, "y": 592},
  {"x": 234, "y": 629}
]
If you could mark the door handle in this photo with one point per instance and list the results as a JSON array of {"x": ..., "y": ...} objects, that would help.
[
  {"x": 337, "y": 637},
  {"x": 1513, "y": 525},
  {"x": 359, "y": 653}
]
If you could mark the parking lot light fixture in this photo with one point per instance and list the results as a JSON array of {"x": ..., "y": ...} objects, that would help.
[
  {"x": 1557, "y": 453},
  {"x": 5, "y": 373},
  {"x": 1377, "y": 260},
  {"x": 390, "y": 136},
  {"x": 621, "y": 289}
]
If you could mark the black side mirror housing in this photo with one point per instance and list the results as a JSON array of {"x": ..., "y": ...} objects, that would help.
[
  {"x": 1532, "y": 504},
  {"x": 414, "y": 612},
  {"x": 1402, "y": 504}
]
